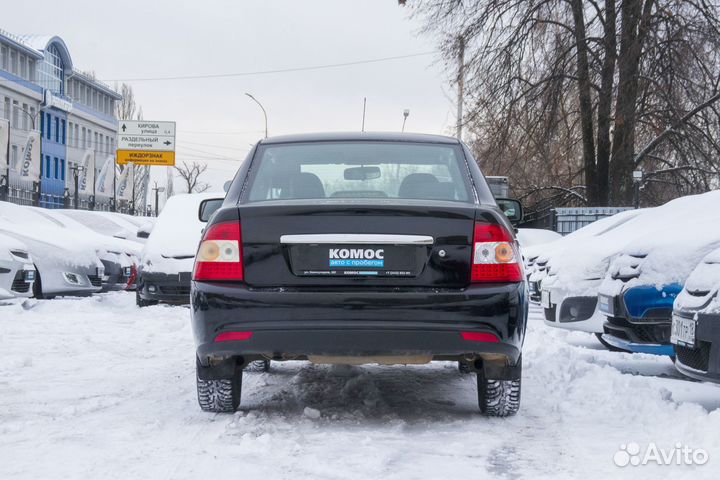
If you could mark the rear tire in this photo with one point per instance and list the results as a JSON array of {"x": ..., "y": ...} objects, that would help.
[
  {"x": 498, "y": 398},
  {"x": 220, "y": 395},
  {"x": 140, "y": 302}
]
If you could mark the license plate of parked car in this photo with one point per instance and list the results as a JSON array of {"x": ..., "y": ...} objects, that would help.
[
  {"x": 545, "y": 298},
  {"x": 683, "y": 331},
  {"x": 605, "y": 304}
]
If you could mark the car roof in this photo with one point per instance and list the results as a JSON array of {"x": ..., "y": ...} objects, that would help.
[{"x": 360, "y": 136}]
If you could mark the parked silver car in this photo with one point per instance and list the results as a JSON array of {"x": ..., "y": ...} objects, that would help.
[
  {"x": 17, "y": 272},
  {"x": 66, "y": 264}
]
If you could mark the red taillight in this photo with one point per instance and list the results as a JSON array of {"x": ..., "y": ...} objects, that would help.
[
  {"x": 219, "y": 257},
  {"x": 234, "y": 336},
  {"x": 480, "y": 337},
  {"x": 495, "y": 255}
]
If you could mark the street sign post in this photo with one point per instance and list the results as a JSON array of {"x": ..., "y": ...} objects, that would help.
[{"x": 145, "y": 142}]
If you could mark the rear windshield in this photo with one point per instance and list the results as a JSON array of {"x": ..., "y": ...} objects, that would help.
[{"x": 359, "y": 170}]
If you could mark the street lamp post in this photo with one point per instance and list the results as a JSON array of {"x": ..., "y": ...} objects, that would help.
[
  {"x": 76, "y": 169},
  {"x": 157, "y": 191},
  {"x": 406, "y": 113},
  {"x": 263, "y": 110},
  {"x": 638, "y": 178}
]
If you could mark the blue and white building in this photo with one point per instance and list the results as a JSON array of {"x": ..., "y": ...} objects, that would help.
[{"x": 41, "y": 88}]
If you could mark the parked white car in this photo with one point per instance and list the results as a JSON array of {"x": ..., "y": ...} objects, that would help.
[
  {"x": 117, "y": 255},
  {"x": 66, "y": 264},
  {"x": 17, "y": 272},
  {"x": 106, "y": 223}
]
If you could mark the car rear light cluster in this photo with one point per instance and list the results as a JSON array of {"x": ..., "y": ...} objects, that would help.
[
  {"x": 219, "y": 257},
  {"x": 495, "y": 255}
]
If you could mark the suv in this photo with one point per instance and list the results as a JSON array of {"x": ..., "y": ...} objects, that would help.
[{"x": 360, "y": 248}]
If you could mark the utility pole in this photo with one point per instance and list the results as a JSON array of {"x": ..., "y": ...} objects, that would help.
[
  {"x": 363, "y": 120},
  {"x": 263, "y": 110},
  {"x": 461, "y": 85}
]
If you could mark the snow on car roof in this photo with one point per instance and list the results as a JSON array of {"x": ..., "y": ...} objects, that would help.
[{"x": 178, "y": 229}]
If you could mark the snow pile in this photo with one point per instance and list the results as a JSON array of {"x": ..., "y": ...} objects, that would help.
[
  {"x": 530, "y": 237},
  {"x": 176, "y": 234},
  {"x": 45, "y": 236},
  {"x": 121, "y": 404}
]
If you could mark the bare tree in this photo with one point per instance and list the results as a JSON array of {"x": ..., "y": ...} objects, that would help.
[
  {"x": 552, "y": 102},
  {"x": 191, "y": 175},
  {"x": 126, "y": 108}
]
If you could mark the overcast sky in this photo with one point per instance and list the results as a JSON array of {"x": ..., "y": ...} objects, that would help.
[{"x": 216, "y": 122}]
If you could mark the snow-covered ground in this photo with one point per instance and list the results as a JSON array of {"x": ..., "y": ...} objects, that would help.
[{"x": 96, "y": 388}]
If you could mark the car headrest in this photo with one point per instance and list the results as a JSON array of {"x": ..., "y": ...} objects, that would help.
[{"x": 305, "y": 185}]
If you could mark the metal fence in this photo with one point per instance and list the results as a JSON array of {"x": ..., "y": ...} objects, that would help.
[{"x": 567, "y": 220}]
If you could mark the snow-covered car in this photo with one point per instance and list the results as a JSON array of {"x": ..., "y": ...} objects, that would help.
[
  {"x": 695, "y": 331},
  {"x": 643, "y": 281},
  {"x": 66, "y": 263},
  {"x": 569, "y": 291},
  {"x": 167, "y": 259},
  {"x": 17, "y": 272},
  {"x": 106, "y": 223},
  {"x": 118, "y": 256},
  {"x": 539, "y": 257}
]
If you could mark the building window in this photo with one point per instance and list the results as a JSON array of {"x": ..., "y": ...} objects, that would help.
[
  {"x": 48, "y": 123},
  {"x": 35, "y": 119},
  {"x": 31, "y": 70},
  {"x": 47, "y": 166},
  {"x": 52, "y": 71},
  {"x": 63, "y": 137},
  {"x": 25, "y": 116},
  {"x": 14, "y": 154},
  {"x": 16, "y": 114},
  {"x": 4, "y": 61},
  {"x": 23, "y": 66},
  {"x": 77, "y": 135},
  {"x": 42, "y": 124},
  {"x": 56, "y": 164},
  {"x": 13, "y": 62},
  {"x": 62, "y": 169},
  {"x": 6, "y": 110}
]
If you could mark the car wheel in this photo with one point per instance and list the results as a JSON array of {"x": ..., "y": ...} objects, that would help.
[
  {"x": 498, "y": 398},
  {"x": 258, "y": 366},
  {"x": 220, "y": 395},
  {"x": 141, "y": 302},
  {"x": 605, "y": 344},
  {"x": 37, "y": 285}
]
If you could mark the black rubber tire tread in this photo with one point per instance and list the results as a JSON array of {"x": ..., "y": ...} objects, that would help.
[
  {"x": 498, "y": 398},
  {"x": 140, "y": 302},
  {"x": 220, "y": 396}
]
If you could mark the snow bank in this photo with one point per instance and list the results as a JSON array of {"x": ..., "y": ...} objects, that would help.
[{"x": 529, "y": 237}]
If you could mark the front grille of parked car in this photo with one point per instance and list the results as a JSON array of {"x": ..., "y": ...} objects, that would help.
[
  {"x": 19, "y": 284},
  {"x": 175, "y": 289},
  {"x": 95, "y": 280},
  {"x": 20, "y": 253},
  {"x": 695, "y": 358},
  {"x": 634, "y": 332}
]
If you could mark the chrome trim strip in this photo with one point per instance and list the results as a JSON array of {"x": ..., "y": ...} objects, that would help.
[{"x": 357, "y": 239}]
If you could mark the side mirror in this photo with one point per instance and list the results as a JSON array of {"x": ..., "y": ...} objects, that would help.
[
  {"x": 144, "y": 230},
  {"x": 226, "y": 186},
  {"x": 512, "y": 209},
  {"x": 208, "y": 207}
]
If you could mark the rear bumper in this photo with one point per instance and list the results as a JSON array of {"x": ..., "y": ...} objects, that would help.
[
  {"x": 703, "y": 361},
  {"x": 166, "y": 288},
  {"x": 399, "y": 322}
]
